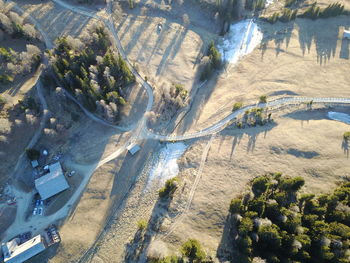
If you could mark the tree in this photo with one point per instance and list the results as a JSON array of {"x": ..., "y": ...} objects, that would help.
[
  {"x": 236, "y": 206},
  {"x": 237, "y": 106},
  {"x": 32, "y": 154},
  {"x": 169, "y": 189},
  {"x": 192, "y": 249},
  {"x": 260, "y": 185},
  {"x": 263, "y": 99}
]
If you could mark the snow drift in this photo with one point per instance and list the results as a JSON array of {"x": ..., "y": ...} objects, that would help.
[
  {"x": 241, "y": 40},
  {"x": 339, "y": 116}
]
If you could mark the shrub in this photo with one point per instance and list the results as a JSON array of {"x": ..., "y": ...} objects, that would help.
[
  {"x": 346, "y": 136},
  {"x": 168, "y": 259},
  {"x": 312, "y": 12},
  {"x": 273, "y": 18},
  {"x": 333, "y": 9},
  {"x": 255, "y": 4},
  {"x": 291, "y": 184},
  {"x": 214, "y": 56},
  {"x": 169, "y": 189},
  {"x": 236, "y": 206},
  {"x": 2, "y": 102},
  {"x": 289, "y": 3},
  {"x": 263, "y": 99},
  {"x": 260, "y": 185},
  {"x": 32, "y": 154},
  {"x": 180, "y": 91},
  {"x": 5, "y": 79},
  {"x": 245, "y": 226},
  {"x": 288, "y": 15},
  {"x": 142, "y": 224},
  {"x": 237, "y": 106},
  {"x": 192, "y": 249}
]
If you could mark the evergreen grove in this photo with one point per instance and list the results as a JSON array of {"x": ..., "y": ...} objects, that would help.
[
  {"x": 93, "y": 73},
  {"x": 277, "y": 223}
]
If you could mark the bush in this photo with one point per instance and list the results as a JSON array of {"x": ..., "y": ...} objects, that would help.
[
  {"x": 236, "y": 206},
  {"x": 255, "y": 4},
  {"x": 346, "y": 136},
  {"x": 2, "y": 102},
  {"x": 263, "y": 99},
  {"x": 273, "y": 18},
  {"x": 169, "y": 189},
  {"x": 192, "y": 249},
  {"x": 314, "y": 12},
  {"x": 214, "y": 56},
  {"x": 5, "y": 79},
  {"x": 288, "y": 15},
  {"x": 32, "y": 154},
  {"x": 260, "y": 185},
  {"x": 237, "y": 106},
  {"x": 142, "y": 224},
  {"x": 291, "y": 184},
  {"x": 289, "y": 3},
  {"x": 334, "y": 9}
]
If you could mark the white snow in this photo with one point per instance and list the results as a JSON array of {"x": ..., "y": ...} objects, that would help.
[
  {"x": 241, "y": 39},
  {"x": 165, "y": 166},
  {"x": 268, "y": 2},
  {"x": 339, "y": 116}
]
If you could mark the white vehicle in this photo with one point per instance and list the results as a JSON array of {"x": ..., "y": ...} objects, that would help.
[
  {"x": 35, "y": 211},
  {"x": 40, "y": 211},
  {"x": 41, "y": 202}
]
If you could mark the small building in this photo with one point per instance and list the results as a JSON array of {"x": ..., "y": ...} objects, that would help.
[
  {"x": 133, "y": 148},
  {"x": 346, "y": 34},
  {"x": 14, "y": 252},
  {"x": 52, "y": 183},
  {"x": 34, "y": 163}
]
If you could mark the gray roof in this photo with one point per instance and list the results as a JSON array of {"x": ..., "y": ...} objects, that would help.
[
  {"x": 133, "y": 148},
  {"x": 51, "y": 183},
  {"x": 19, "y": 253}
]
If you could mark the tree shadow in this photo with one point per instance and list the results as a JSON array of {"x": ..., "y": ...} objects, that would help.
[
  {"x": 136, "y": 250},
  {"x": 224, "y": 250},
  {"x": 344, "y": 49},
  {"x": 323, "y": 33},
  {"x": 345, "y": 147}
]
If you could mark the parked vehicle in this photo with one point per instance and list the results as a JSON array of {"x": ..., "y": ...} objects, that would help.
[
  {"x": 35, "y": 211},
  {"x": 40, "y": 211}
]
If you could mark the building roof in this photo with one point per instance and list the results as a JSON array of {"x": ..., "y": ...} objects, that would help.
[
  {"x": 20, "y": 253},
  {"x": 34, "y": 163},
  {"x": 133, "y": 148},
  {"x": 52, "y": 183}
]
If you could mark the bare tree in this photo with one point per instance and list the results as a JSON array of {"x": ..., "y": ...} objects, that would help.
[
  {"x": 5, "y": 23},
  {"x": 75, "y": 43},
  {"x": 16, "y": 18},
  {"x": 30, "y": 31}
]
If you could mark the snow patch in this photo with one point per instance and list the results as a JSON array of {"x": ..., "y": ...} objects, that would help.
[
  {"x": 241, "y": 40},
  {"x": 268, "y": 2},
  {"x": 339, "y": 116},
  {"x": 165, "y": 165}
]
